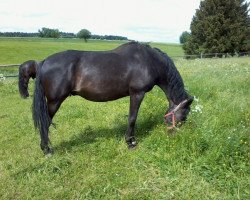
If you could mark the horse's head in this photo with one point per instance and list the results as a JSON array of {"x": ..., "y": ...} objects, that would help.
[{"x": 177, "y": 114}]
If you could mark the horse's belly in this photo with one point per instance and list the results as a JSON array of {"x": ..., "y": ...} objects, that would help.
[{"x": 101, "y": 95}]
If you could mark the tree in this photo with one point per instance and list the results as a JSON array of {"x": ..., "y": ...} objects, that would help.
[
  {"x": 219, "y": 26},
  {"x": 184, "y": 37},
  {"x": 55, "y": 33},
  {"x": 84, "y": 34},
  {"x": 49, "y": 33}
]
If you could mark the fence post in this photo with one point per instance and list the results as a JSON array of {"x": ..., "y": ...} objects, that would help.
[{"x": 201, "y": 56}]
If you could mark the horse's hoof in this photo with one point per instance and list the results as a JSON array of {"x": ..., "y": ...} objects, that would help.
[
  {"x": 48, "y": 155},
  {"x": 48, "y": 152},
  {"x": 132, "y": 145}
]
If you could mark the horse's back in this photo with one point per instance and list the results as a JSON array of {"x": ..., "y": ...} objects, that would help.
[{"x": 99, "y": 76}]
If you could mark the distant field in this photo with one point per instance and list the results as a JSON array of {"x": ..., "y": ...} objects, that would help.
[
  {"x": 208, "y": 158},
  {"x": 18, "y": 50}
]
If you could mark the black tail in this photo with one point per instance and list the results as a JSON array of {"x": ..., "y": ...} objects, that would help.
[
  {"x": 40, "y": 110},
  {"x": 22, "y": 84}
]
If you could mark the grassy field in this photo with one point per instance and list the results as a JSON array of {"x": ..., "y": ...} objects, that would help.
[
  {"x": 19, "y": 50},
  {"x": 208, "y": 158}
]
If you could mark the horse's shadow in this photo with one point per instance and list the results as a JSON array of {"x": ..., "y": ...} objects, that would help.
[{"x": 90, "y": 135}]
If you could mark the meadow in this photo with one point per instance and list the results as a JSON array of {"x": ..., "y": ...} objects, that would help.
[{"x": 207, "y": 158}]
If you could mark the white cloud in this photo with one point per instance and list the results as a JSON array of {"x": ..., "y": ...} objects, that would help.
[{"x": 143, "y": 20}]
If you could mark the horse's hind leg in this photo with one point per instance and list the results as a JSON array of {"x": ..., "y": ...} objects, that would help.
[
  {"x": 135, "y": 102},
  {"x": 53, "y": 106}
]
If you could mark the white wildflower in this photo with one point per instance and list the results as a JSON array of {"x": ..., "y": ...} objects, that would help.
[
  {"x": 2, "y": 78},
  {"x": 198, "y": 107},
  {"x": 196, "y": 99}
]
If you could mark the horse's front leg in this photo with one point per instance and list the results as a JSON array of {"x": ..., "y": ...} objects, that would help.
[{"x": 135, "y": 102}]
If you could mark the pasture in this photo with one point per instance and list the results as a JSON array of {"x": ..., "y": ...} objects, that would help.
[{"x": 208, "y": 158}]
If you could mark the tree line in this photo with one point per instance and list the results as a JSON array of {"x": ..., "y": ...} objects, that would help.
[
  {"x": 55, "y": 33},
  {"x": 18, "y": 34},
  {"x": 218, "y": 26}
]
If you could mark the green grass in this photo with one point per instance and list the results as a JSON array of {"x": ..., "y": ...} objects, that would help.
[
  {"x": 19, "y": 50},
  {"x": 208, "y": 158}
]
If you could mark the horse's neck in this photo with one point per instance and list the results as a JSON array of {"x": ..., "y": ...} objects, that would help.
[
  {"x": 173, "y": 88},
  {"x": 170, "y": 79}
]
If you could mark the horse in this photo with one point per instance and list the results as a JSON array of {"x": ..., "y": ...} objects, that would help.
[
  {"x": 131, "y": 69},
  {"x": 27, "y": 70}
]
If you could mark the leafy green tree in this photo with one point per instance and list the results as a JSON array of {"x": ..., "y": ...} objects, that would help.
[
  {"x": 55, "y": 33},
  {"x": 219, "y": 26},
  {"x": 84, "y": 34},
  {"x": 184, "y": 37},
  {"x": 49, "y": 33}
]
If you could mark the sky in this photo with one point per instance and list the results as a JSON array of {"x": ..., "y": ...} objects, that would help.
[{"x": 141, "y": 20}]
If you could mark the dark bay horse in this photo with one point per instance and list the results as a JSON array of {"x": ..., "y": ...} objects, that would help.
[
  {"x": 131, "y": 69},
  {"x": 27, "y": 70}
]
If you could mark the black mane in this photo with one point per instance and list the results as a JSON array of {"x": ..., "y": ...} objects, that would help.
[{"x": 175, "y": 83}]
